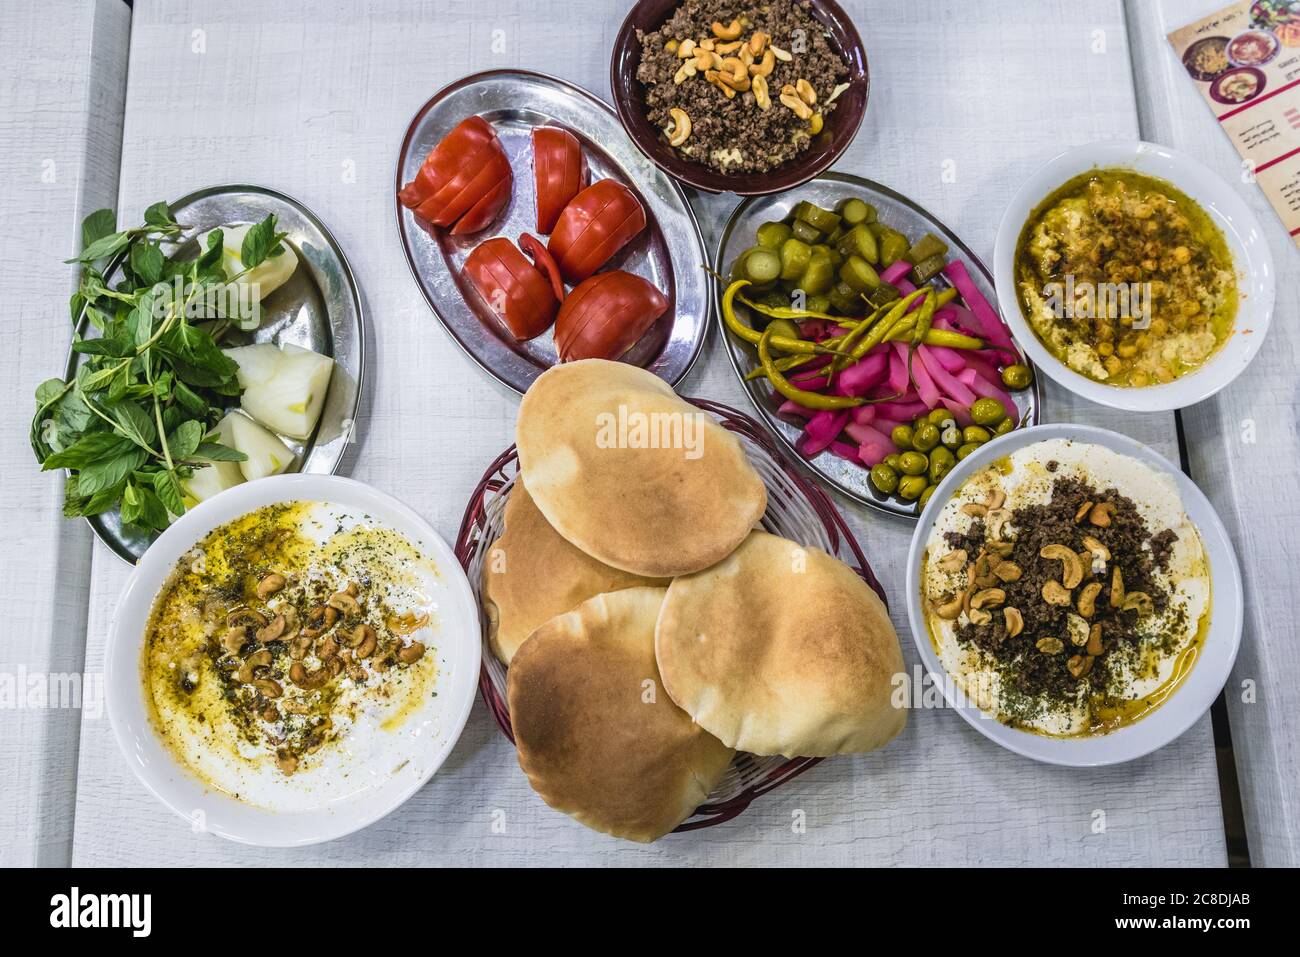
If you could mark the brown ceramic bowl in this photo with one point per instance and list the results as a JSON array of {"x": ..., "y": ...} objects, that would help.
[{"x": 841, "y": 126}]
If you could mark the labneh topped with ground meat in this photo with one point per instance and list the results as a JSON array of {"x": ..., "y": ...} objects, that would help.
[
  {"x": 742, "y": 88},
  {"x": 1066, "y": 591}
]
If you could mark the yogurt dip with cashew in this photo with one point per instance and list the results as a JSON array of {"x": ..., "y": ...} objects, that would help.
[
  {"x": 291, "y": 656},
  {"x": 1042, "y": 626}
]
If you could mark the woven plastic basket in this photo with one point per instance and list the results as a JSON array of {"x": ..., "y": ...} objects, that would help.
[{"x": 796, "y": 509}]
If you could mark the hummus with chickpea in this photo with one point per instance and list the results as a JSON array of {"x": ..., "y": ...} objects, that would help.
[{"x": 1125, "y": 279}]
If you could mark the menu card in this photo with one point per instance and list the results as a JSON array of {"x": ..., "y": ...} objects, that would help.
[{"x": 1245, "y": 60}]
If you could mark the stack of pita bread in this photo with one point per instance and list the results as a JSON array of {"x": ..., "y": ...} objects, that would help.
[{"x": 650, "y": 629}]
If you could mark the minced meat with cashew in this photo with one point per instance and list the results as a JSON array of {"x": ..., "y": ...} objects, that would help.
[
  {"x": 1073, "y": 585},
  {"x": 741, "y": 88}
]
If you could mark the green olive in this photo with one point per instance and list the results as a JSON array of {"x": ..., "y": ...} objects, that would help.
[
  {"x": 925, "y": 496},
  {"x": 951, "y": 437},
  {"x": 913, "y": 463},
  {"x": 937, "y": 416},
  {"x": 1017, "y": 376},
  {"x": 902, "y": 436},
  {"x": 884, "y": 478},
  {"x": 975, "y": 433},
  {"x": 966, "y": 450},
  {"x": 919, "y": 423},
  {"x": 987, "y": 412},
  {"x": 941, "y": 463},
  {"x": 785, "y": 327},
  {"x": 892, "y": 461},
  {"x": 1005, "y": 426},
  {"x": 911, "y": 486},
  {"x": 926, "y": 438}
]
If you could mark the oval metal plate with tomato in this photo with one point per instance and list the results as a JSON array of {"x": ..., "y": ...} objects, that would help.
[{"x": 667, "y": 253}]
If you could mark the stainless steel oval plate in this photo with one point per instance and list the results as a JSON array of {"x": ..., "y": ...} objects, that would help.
[
  {"x": 319, "y": 308},
  {"x": 669, "y": 252},
  {"x": 894, "y": 210}
]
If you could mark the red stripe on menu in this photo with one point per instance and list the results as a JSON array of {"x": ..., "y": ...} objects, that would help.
[
  {"x": 1296, "y": 230},
  {"x": 1277, "y": 159},
  {"x": 1256, "y": 102}
]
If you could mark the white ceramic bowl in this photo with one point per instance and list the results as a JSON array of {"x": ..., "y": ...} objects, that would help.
[
  {"x": 1187, "y": 704},
  {"x": 1252, "y": 261},
  {"x": 434, "y": 728}
]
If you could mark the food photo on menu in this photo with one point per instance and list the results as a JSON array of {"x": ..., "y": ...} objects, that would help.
[{"x": 661, "y": 434}]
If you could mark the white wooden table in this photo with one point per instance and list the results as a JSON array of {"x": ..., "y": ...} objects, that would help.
[{"x": 312, "y": 99}]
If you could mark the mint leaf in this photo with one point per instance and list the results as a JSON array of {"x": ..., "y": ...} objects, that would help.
[
  {"x": 216, "y": 452},
  {"x": 260, "y": 242},
  {"x": 105, "y": 473},
  {"x": 168, "y": 487},
  {"x": 100, "y": 223},
  {"x": 147, "y": 262}
]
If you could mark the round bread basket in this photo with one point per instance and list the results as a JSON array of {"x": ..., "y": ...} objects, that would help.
[{"x": 796, "y": 509}]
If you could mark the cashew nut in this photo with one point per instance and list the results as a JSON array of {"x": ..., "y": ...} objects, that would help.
[
  {"x": 248, "y": 671},
  {"x": 234, "y": 639},
  {"x": 411, "y": 653},
  {"x": 1014, "y": 621},
  {"x": 681, "y": 130},
  {"x": 1088, "y": 599},
  {"x": 1079, "y": 665},
  {"x": 272, "y": 631},
  {"x": 1050, "y": 646},
  {"x": 1054, "y": 593},
  {"x": 953, "y": 561},
  {"x": 1071, "y": 567},
  {"x": 1095, "y": 647},
  {"x": 815, "y": 124},
  {"x": 790, "y": 99},
  {"x": 684, "y": 72},
  {"x": 782, "y": 55},
  {"x": 950, "y": 609},
  {"x": 686, "y": 49},
  {"x": 1078, "y": 629},
  {"x": 805, "y": 91},
  {"x": 765, "y": 66},
  {"x": 1138, "y": 601},
  {"x": 978, "y": 616},
  {"x": 1100, "y": 514},
  {"x": 1007, "y": 571},
  {"x": 269, "y": 585},
  {"x": 758, "y": 86},
  {"x": 988, "y": 596},
  {"x": 1082, "y": 513},
  {"x": 758, "y": 42},
  {"x": 731, "y": 31},
  {"x": 1116, "y": 588}
]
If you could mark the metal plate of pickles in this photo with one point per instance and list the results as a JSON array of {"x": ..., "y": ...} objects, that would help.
[
  {"x": 892, "y": 209},
  {"x": 668, "y": 253},
  {"x": 319, "y": 308}
]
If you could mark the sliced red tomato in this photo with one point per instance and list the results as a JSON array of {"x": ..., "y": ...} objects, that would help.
[
  {"x": 542, "y": 259},
  {"x": 560, "y": 171},
  {"x": 513, "y": 288},
  {"x": 605, "y": 315},
  {"x": 596, "y": 224},
  {"x": 465, "y": 180}
]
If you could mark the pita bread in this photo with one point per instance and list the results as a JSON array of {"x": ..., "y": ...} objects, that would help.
[
  {"x": 532, "y": 574},
  {"x": 597, "y": 736},
  {"x": 630, "y": 473},
  {"x": 781, "y": 649}
]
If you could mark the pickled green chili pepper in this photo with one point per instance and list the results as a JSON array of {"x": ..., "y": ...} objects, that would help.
[
  {"x": 924, "y": 318},
  {"x": 809, "y": 400},
  {"x": 786, "y": 312},
  {"x": 752, "y": 336}
]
